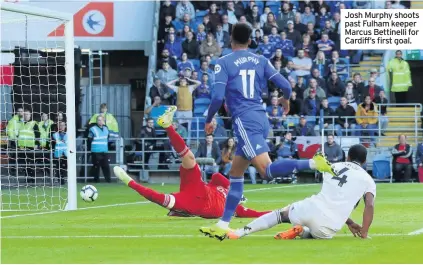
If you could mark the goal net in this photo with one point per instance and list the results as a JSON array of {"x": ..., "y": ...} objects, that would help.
[{"x": 37, "y": 110}]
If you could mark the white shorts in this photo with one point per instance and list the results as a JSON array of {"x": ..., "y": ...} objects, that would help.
[
  {"x": 306, "y": 213},
  {"x": 184, "y": 116}
]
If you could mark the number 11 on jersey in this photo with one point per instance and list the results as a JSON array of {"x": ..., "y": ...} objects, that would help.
[{"x": 248, "y": 84}]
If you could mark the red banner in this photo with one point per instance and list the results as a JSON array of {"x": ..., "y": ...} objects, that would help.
[{"x": 6, "y": 75}]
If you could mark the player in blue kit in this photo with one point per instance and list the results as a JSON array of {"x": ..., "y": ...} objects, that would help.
[{"x": 238, "y": 78}]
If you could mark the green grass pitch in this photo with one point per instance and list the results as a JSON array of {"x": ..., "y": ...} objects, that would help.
[{"x": 121, "y": 227}]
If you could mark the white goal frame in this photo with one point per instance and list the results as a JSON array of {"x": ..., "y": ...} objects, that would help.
[{"x": 67, "y": 19}]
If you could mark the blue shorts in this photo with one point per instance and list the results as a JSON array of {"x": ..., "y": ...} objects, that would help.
[{"x": 251, "y": 130}]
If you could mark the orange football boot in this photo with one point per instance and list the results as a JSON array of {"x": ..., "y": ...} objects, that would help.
[
  {"x": 290, "y": 234},
  {"x": 232, "y": 236}
]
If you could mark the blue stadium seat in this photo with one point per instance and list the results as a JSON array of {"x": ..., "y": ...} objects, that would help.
[
  {"x": 197, "y": 127},
  {"x": 202, "y": 101},
  {"x": 273, "y": 3},
  {"x": 200, "y": 109},
  {"x": 382, "y": 166},
  {"x": 196, "y": 63},
  {"x": 334, "y": 102},
  {"x": 178, "y": 25},
  {"x": 201, "y": 13}
]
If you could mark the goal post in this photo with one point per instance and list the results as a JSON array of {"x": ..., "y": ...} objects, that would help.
[{"x": 49, "y": 100}]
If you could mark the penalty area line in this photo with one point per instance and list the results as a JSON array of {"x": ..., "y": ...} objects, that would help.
[
  {"x": 164, "y": 236},
  {"x": 417, "y": 232}
]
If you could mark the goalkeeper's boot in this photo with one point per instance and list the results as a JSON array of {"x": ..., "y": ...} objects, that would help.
[
  {"x": 231, "y": 235},
  {"x": 166, "y": 119},
  {"x": 121, "y": 174},
  {"x": 215, "y": 231},
  {"x": 291, "y": 233},
  {"x": 322, "y": 164}
]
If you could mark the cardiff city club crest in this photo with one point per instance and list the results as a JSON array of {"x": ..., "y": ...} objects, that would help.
[{"x": 94, "y": 22}]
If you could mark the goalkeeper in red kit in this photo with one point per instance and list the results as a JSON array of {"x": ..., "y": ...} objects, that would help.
[{"x": 195, "y": 198}]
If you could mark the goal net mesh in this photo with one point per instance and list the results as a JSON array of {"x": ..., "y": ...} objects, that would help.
[{"x": 33, "y": 115}]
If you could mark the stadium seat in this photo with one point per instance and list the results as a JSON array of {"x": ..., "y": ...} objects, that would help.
[
  {"x": 202, "y": 101},
  {"x": 334, "y": 102},
  {"x": 200, "y": 109},
  {"x": 382, "y": 167},
  {"x": 178, "y": 25},
  {"x": 201, "y": 13},
  {"x": 196, "y": 63}
]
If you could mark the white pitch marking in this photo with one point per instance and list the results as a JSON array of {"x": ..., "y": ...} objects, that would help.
[
  {"x": 417, "y": 232},
  {"x": 143, "y": 202},
  {"x": 164, "y": 236}
]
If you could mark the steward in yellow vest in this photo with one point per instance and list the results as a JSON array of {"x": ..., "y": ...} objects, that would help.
[{"x": 45, "y": 128}]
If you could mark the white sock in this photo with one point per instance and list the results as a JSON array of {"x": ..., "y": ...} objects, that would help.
[
  {"x": 312, "y": 164},
  {"x": 264, "y": 222},
  {"x": 306, "y": 233},
  {"x": 223, "y": 224}
]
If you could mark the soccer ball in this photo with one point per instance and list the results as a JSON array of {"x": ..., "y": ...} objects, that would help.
[{"x": 89, "y": 193}]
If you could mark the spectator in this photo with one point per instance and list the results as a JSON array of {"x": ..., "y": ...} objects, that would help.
[
  {"x": 419, "y": 159},
  {"x": 181, "y": 130},
  {"x": 371, "y": 90},
  {"x": 351, "y": 100},
  {"x": 204, "y": 69},
  {"x": 397, "y": 5},
  {"x": 325, "y": 44},
  {"x": 300, "y": 87},
  {"x": 285, "y": 16},
  {"x": 194, "y": 75},
  {"x": 275, "y": 120},
  {"x": 208, "y": 59},
  {"x": 201, "y": 5},
  {"x": 336, "y": 20},
  {"x": 320, "y": 93},
  {"x": 263, "y": 17},
  {"x": 187, "y": 72},
  {"x": 383, "y": 119},
  {"x": 308, "y": 16},
  {"x": 165, "y": 56},
  {"x": 184, "y": 7},
  {"x": 312, "y": 32},
  {"x": 315, "y": 73},
  {"x": 13, "y": 126},
  {"x": 298, "y": 25},
  {"x": 97, "y": 142},
  {"x": 184, "y": 99},
  {"x": 184, "y": 63},
  {"x": 167, "y": 9},
  {"x": 210, "y": 149},
  {"x": 274, "y": 37},
  {"x": 375, "y": 74},
  {"x": 320, "y": 63},
  {"x": 158, "y": 90},
  {"x": 210, "y": 47},
  {"x": 302, "y": 65},
  {"x": 203, "y": 91},
  {"x": 148, "y": 132},
  {"x": 166, "y": 74},
  {"x": 28, "y": 140},
  {"x": 367, "y": 118},
  {"x": 307, "y": 46},
  {"x": 219, "y": 132},
  {"x": 274, "y": 105},
  {"x": 336, "y": 87},
  {"x": 311, "y": 105},
  {"x": 158, "y": 108},
  {"x": 45, "y": 129},
  {"x": 278, "y": 56},
  {"x": 402, "y": 160},
  {"x": 303, "y": 128},
  {"x": 287, "y": 149},
  {"x": 285, "y": 45},
  {"x": 289, "y": 71},
  {"x": 214, "y": 16},
  {"x": 254, "y": 16},
  {"x": 358, "y": 84},
  {"x": 201, "y": 34},
  {"x": 243, "y": 19},
  {"x": 345, "y": 120},
  {"x": 335, "y": 62},
  {"x": 228, "y": 153},
  {"x": 226, "y": 25},
  {"x": 328, "y": 29},
  {"x": 187, "y": 22},
  {"x": 182, "y": 36},
  {"x": 208, "y": 27},
  {"x": 190, "y": 46},
  {"x": 59, "y": 142},
  {"x": 222, "y": 37},
  {"x": 239, "y": 8},
  {"x": 256, "y": 26},
  {"x": 328, "y": 122},
  {"x": 399, "y": 72},
  {"x": 230, "y": 12},
  {"x": 164, "y": 28},
  {"x": 270, "y": 23},
  {"x": 266, "y": 48},
  {"x": 256, "y": 40},
  {"x": 59, "y": 118},
  {"x": 349, "y": 90},
  {"x": 296, "y": 104},
  {"x": 322, "y": 18},
  {"x": 333, "y": 151},
  {"x": 318, "y": 6},
  {"x": 292, "y": 34},
  {"x": 305, "y": 3}
]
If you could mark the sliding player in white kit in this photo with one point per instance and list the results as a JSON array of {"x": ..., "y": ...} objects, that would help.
[{"x": 322, "y": 215}]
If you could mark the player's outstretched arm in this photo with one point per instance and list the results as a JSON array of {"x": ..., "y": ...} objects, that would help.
[
  {"x": 367, "y": 214},
  {"x": 219, "y": 88}
]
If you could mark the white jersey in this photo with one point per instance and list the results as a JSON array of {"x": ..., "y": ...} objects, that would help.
[{"x": 340, "y": 194}]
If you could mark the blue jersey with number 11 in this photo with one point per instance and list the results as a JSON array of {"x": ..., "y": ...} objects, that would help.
[{"x": 239, "y": 77}]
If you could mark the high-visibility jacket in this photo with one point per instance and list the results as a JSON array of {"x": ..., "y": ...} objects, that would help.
[
  {"x": 26, "y": 135},
  {"x": 401, "y": 75},
  {"x": 45, "y": 128},
  {"x": 100, "y": 139},
  {"x": 61, "y": 147},
  {"x": 13, "y": 126},
  {"x": 109, "y": 121}
]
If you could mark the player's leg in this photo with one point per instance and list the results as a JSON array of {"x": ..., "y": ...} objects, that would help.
[{"x": 165, "y": 200}]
